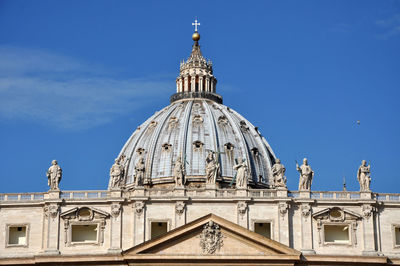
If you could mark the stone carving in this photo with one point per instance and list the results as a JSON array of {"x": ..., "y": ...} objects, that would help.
[
  {"x": 212, "y": 168},
  {"x": 115, "y": 210},
  {"x": 211, "y": 238},
  {"x": 54, "y": 175},
  {"x": 306, "y": 175},
  {"x": 51, "y": 211},
  {"x": 180, "y": 207},
  {"x": 179, "y": 172},
  {"x": 363, "y": 176},
  {"x": 139, "y": 172},
  {"x": 367, "y": 211},
  {"x": 278, "y": 173},
  {"x": 242, "y": 207},
  {"x": 117, "y": 174},
  {"x": 241, "y": 174},
  {"x": 197, "y": 119},
  {"x": 139, "y": 207},
  {"x": 283, "y": 208},
  {"x": 305, "y": 210}
]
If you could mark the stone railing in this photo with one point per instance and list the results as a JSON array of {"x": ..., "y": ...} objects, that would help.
[
  {"x": 21, "y": 196},
  {"x": 89, "y": 194},
  {"x": 387, "y": 197},
  {"x": 200, "y": 193}
]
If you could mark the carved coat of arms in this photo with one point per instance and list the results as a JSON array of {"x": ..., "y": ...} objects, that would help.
[{"x": 211, "y": 238}]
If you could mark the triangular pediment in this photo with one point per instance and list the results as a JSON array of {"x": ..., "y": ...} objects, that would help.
[
  {"x": 336, "y": 214},
  {"x": 212, "y": 235}
]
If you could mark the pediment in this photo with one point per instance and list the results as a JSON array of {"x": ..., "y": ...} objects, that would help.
[
  {"x": 336, "y": 214},
  {"x": 212, "y": 235},
  {"x": 84, "y": 214}
]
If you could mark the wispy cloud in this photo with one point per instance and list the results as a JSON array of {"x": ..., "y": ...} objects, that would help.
[
  {"x": 391, "y": 26},
  {"x": 67, "y": 93}
]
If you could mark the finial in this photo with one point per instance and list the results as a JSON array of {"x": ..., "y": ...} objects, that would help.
[{"x": 196, "y": 35}]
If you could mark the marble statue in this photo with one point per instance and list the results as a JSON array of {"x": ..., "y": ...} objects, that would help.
[
  {"x": 179, "y": 172},
  {"x": 212, "y": 168},
  {"x": 241, "y": 174},
  {"x": 54, "y": 175},
  {"x": 117, "y": 174},
  {"x": 139, "y": 172},
  {"x": 278, "y": 173},
  {"x": 306, "y": 175},
  {"x": 363, "y": 176}
]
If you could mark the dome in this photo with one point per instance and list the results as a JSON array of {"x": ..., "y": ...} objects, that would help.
[{"x": 195, "y": 124}]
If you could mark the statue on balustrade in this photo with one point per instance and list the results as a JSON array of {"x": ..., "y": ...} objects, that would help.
[
  {"x": 306, "y": 175},
  {"x": 278, "y": 173},
  {"x": 363, "y": 176},
  {"x": 117, "y": 174},
  {"x": 54, "y": 174},
  {"x": 179, "y": 172},
  {"x": 241, "y": 174},
  {"x": 212, "y": 168},
  {"x": 139, "y": 172}
]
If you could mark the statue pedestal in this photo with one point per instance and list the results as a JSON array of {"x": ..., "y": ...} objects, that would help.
[
  {"x": 115, "y": 193},
  {"x": 366, "y": 195},
  {"x": 211, "y": 186},
  {"x": 52, "y": 194},
  {"x": 241, "y": 192},
  {"x": 305, "y": 194},
  {"x": 179, "y": 191},
  {"x": 281, "y": 192},
  {"x": 138, "y": 192}
]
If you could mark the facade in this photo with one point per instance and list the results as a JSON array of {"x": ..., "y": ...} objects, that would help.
[{"x": 198, "y": 183}]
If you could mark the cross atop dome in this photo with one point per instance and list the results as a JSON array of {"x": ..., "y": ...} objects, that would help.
[{"x": 195, "y": 24}]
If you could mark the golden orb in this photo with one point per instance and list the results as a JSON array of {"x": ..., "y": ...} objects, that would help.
[{"x": 196, "y": 36}]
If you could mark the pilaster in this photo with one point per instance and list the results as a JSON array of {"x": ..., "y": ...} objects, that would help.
[
  {"x": 180, "y": 213},
  {"x": 139, "y": 210},
  {"x": 283, "y": 222},
  {"x": 116, "y": 228},
  {"x": 307, "y": 247},
  {"x": 368, "y": 230}
]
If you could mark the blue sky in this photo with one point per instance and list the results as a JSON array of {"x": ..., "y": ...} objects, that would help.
[{"x": 78, "y": 77}]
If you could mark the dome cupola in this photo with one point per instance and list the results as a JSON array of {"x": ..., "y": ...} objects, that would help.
[{"x": 196, "y": 79}]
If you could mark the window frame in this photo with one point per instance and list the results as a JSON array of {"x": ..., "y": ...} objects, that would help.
[
  {"x": 155, "y": 220},
  {"x": 271, "y": 225},
  {"x": 95, "y": 243},
  {"x": 350, "y": 228},
  {"x": 27, "y": 230},
  {"x": 394, "y": 226}
]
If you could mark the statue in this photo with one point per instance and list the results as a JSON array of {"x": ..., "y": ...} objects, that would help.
[
  {"x": 306, "y": 175},
  {"x": 212, "y": 168},
  {"x": 179, "y": 172},
  {"x": 278, "y": 172},
  {"x": 139, "y": 172},
  {"x": 54, "y": 175},
  {"x": 363, "y": 176},
  {"x": 117, "y": 174},
  {"x": 241, "y": 174}
]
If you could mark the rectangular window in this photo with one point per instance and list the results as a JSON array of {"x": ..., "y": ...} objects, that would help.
[
  {"x": 263, "y": 229},
  {"x": 17, "y": 235},
  {"x": 397, "y": 236},
  {"x": 338, "y": 234},
  {"x": 84, "y": 233},
  {"x": 158, "y": 229}
]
